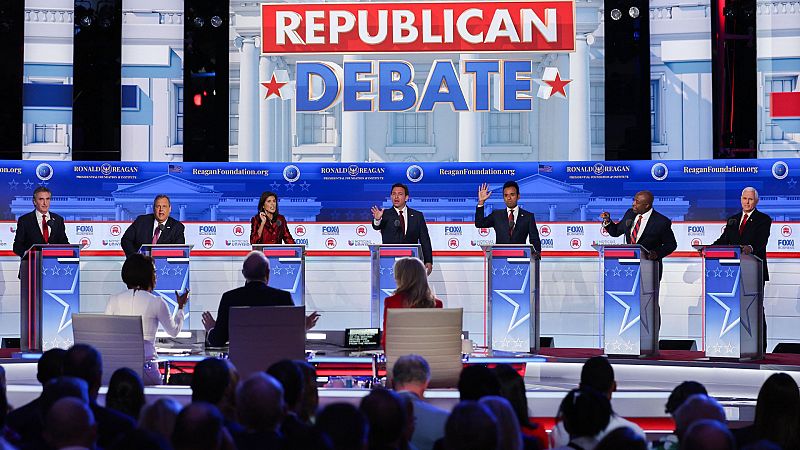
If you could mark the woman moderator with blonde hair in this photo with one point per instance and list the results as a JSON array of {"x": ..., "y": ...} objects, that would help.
[{"x": 412, "y": 290}]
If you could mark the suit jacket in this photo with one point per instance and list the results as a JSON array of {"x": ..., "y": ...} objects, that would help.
[
  {"x": 524, "y": 228},
  {"x": 141, "y": 232},
  {"x": 254, "y": 293},
  {"x": 276, "y": 232},
  {"x": 29, "y": 232},
  {"x": 416, "y": 231},
  {"x": 656, "y": 237},
  {"x": 755, "y": 234},
  {"x": 110, "y": 424}
]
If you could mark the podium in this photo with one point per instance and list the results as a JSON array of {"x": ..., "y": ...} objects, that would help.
[
  {"x": 288, "y": 265},
  {"x": 512, "y": 298},
  {"x": 733, "y": 302},
  {"x": 630, "y": 285},
  {"x": 172, "y": 272},
  {"x": 49, "y": 295},
  {"x": 382, "y": 258}
]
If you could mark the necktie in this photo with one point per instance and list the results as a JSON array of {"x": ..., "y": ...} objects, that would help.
[
  {"x": 511, "y": 222},
  {"x": 744, "y": 221},
  {"x": 635, "y": 233},
  {"x": 402, "y": 222},
  {"x": 156, "y": 235},
  {"x": 45, "y": 230}
]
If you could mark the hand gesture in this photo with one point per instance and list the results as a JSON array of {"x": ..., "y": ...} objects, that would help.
[
  {"x": 605, "y": 216},
  {"x": 263, "y": 216},
  {"x": 652, "y": 256},
  {"x": 747, "y": 249},
  {"x": 429, "y": 268},
  {"x": 311, "y": 320},
  {"x": 208, "y": 321},
  {"x": 181, "y": 299},
  {"x": 377, "y": 213},
  {"x": 483, "y": 193}
]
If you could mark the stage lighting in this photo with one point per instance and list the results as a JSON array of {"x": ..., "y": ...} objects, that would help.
[
  {"x": 634, "y": 12},
  {"x": 199, "y": 22},
  {"x": 86, "y": 21},
  {"x": 216, "y": 21},
  {"x": 616, "y": 14}
]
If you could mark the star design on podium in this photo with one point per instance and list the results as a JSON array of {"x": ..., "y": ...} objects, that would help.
[
  {"x": 617, "y": 271},
  {"x": 168, "y": 294},
  {"x": 289, "y": 270},
  {"x": 505, "y": 270},
  {"x": 727, "y": 323},
  {"x": 165, "y": 270},
  {"x": 558, "y": 85},
  {"x": 56, "y": 271},
  {"x": 68, "y": 270},
  {"x": 274, "y": 87},
  {"x": 717, "y": 272},
  {"x": 729, "y": 273},
  {"x": 518, "y": 270},
  {"x": 504, "y": 294},
  {"x": 276, "y": 270},
  {"x": 66, "y": 319},
  {"x": 745, "y": 319},
  {"x": 616, "y": 295},
  {"x": 509, "y": 343},
  {"x": 629, "y": 272},
  {"x": 178, "y": 270}
]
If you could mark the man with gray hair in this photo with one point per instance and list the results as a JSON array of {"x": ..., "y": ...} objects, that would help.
[
  {"x": 410, "y": 377},
  {"x": 708, "y": 434},
  {"x": 255, "y": 292},
  {"x": 155, "y": 228},
  {"x": 749, "y": 228},
  {"x": 696, "y": 408}
]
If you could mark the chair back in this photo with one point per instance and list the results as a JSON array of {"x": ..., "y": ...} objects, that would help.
[
  {"x": 263, "y": 335},
  {"x": 119, "y": 339},
  {"x": 434, "y": 334}
]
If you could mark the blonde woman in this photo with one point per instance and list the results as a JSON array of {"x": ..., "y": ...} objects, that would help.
[{"x": 412, "y": 290}]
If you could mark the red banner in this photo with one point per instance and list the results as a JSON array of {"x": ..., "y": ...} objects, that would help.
[{"x": 413, "y": 27}]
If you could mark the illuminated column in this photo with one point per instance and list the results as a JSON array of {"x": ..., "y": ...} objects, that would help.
[
  {"x": 248, "y": 102},
  {"x": 354, "y": 137},
  {"x": 469, "y": 122},
  {"x": 267, "y": 148},
  {"x": 552, "y": 217},
  {"x": 580, "y": 145}
]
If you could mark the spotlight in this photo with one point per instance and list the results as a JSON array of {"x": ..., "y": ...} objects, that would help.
[
  {"x": 634, "y": 12},
  {"x": 86, "y": 21},
  {"x": 616, "y": 14},
  {"x": 216, "y": 21},
  {"x": 199, "y": 22}
]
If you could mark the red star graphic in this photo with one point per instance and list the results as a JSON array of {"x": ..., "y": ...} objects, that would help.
[
  {"x": 557, "y": 86},
  {"x": 273, "y": 87}
]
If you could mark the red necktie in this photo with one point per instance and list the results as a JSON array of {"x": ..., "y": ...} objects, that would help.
[
  {"x": 510, "y": 222},
  {"x": 402, "y": 222},
  {"x": 156, "y": 235},
  {"x": 744, "y": 221},
  {"x": 45, "y": 230},
  {"x": 635, "y": 232}
]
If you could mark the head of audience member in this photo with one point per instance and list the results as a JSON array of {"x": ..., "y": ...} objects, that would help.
[
  {"x": 50, "y": 365},
  {"x": 61, "y": 387},
  {"x": 345, "y": 425},
  {"x": 255, "y": 267},
  {"x": 138, "y": 439},
  {"x": 139, "y": 272},
  {"x": 412, "y": 281},
  {"x": 387, "y": 417},
  {"x": 708, "y": 434},
  {"x": 509, "y": 435},
  {"x": 642, "y": 202},
  {"x": 228, "y": 404},
  {"x": 3, "y": 397},
  {"x": 512, "y": 388},
  {"x": 84, "y": 362},
  {"x": 697, "y": 407},
  {"x": 470, "y": 426},
  {"x": 681, "y": 393},
  {"x": 159, "y": 417},
  {"x": 622, "y": 438},
  {"x": 161, "y": 208},
  {"x": 125, "y": 392},
  {"x": 598, "y": 374},
  {"x": 511, "y": 194},
  {"x": 291, "y": 378},
  {"x": 778, "y": 411},
  {"x": 310, "y": 402},
  {"x": 259, "y": 401},
  {"x": 585, "y": 412},
  {"x": 199, "y": 426},
  {"x": 411, "y": 373},
  {"x": 476, "y": 381},
  {"x": 210, "y": 381},
  {"x": 41, "y": 199},
  {"x": 70, "y": 423}
]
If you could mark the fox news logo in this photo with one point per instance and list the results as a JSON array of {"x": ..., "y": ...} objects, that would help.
[
  {"x": 84, "y": 229},
  {"x": 785, "y": 244},
  {"x": 452, "y": 231},
  {"x": 574, "y": 230},
  {"x": 208, "y": 230},
  {"x": 330, "y": 230},
  {"x": 301, "y": 241},
  {"x": 696, "y": 230},
  {"x": 547, "y": 243}
]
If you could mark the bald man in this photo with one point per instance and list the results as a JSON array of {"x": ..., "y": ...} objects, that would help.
[
  {"x": 260, "y": 408},
  {"x": 70, "y": 424},
  {"x": 255, "y": 292}
]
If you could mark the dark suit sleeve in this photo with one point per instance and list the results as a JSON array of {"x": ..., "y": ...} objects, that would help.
[
  {"x": 285, "y": 299},
  {"x": 286, "y": 235},
  {"x": 533, "y": 235},
  {"x": 128, "y": 241},
  {"x": 723, "y": 239},
  {"x": 218, "y": 336},
  {"x": 425, "y": 240},
  {"x": 59, "y": 231},
  {"x": 179, "y": 233},
  {"x": 20, "y": 238},
  {"x": 619, "y": 228},
  {"x": 481, "y": 220},
  {"x": 381, "y": 225},
  {"x": 668, "y": 242},
  {"x": 759, "y": 244}
]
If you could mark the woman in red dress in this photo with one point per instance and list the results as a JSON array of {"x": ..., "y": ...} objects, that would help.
[
  {"x": 268, "y": 226},
  {"x": 412, "y": 290}
]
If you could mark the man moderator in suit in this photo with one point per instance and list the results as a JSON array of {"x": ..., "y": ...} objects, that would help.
[
  {"x": 750, "y": 229},
  {"x": 403, "y": 225},
  {"x": 156, "y": 228},
  {"x": 255, "y": 292},
  {"x": 512, "y": 225},
  {"x": 40, "y": 226}
]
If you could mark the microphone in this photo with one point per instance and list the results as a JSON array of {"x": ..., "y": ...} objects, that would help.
[
  {"x": 732, "y": 223},
  {"x": 161, "y": 227},
  {"x": 397, "y": 223},
  {"x": 278, "y": 223},
  {"x": 51, "y": 222}
]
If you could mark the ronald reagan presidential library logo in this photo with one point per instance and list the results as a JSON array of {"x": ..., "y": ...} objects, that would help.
[{"x": 417, "y": 27}]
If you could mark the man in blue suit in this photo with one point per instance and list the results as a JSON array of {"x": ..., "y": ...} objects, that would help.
[
  {"x": 512, "y": 225},
  {"x": 403, "y": 225}
]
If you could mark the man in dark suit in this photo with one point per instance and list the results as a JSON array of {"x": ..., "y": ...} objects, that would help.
[
  {"x": 512, "y": 225},
  {"x": 255, "y": 292},
  {"x": 156, "y": 228},
  {"x": 749, "y": 228},
  {"x": 40, "y": 226},
  {"x": 403, "y": 225}
]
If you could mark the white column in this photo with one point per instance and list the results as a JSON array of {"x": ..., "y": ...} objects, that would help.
[
  {"x": 214, "y": 213},
  {"x": 580, "y": 145},
  {"x": 583, "y": 212},
  {"x": 469, "y": 122},
  {"x": 552, "y": 212},
  {"x": 182, "y": 213},
  {"x": 354, "y": 138},
  {"x": 248, "y": 102},
  {"x": 267, "y": 147}
]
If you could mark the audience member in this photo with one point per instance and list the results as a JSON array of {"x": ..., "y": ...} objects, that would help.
[
  {"x": 125, "y": 392},
  {"x": 26, "y": 420},
  {"x": 411, "y": 375},
  {"x": 70, "y": 424},
  {"x": 139, "y": 439},
  {"x": 476, "y": 381},
  {"x": 387, "y": 417},
  {"x": 585, "y": 414},
  {"x": 5, "y": 432},
  {"x": 84, "y": 362},
  {"x": 470, "y": 427},
  {"x": 708, "y": 434},
  {"x": 512, "y": 388},
  {"x": 159, "y": 417},
  {"x": 622, "y": 438},
  {"x": 200, "y": 426},
  {"x": 345, "y": 425},
  {"x": 675, "y": 400},
  {"x": 412, "y": 290},
  {"x": 259, "y": 400},
  {"x": 597, "y": 374},
  {"x": 214, "y": 382},
  {"x": 297, "y": 433},
  {"x": 777, "y": 414},
  {"x": 762, "y": 445},
  {"x": 509, "y": 436},
  {"x": 697, "y": 407},
  {"x": 310, "y": 401}
]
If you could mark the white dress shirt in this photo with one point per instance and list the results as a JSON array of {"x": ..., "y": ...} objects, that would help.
[
  {"x": 645, "y": 219},
  {"x": 516, "y": 213},
  {"x": 152, "y": 309},
  {"x": 405, "y": 218},
  {"x": 39, "y": 222}
]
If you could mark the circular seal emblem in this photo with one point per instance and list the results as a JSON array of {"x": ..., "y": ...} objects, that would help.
[
  {"x": 238, "y": 230},
  {"x": 115, "y": 230},
  {"x": 544, "y": 230},
  {"x": 575, "y": 243},
  {"x": 44, "y": 171},
  {"x": 780, "y": 170},
  {"x": 291, "y": 173},
  {"x": 786, "y": 231},
  {"x": 452, "y": 243},
  {"x": 352, "y": 170},
  {"x": 208, "y": 242},
  {"x": 414, "y": 173},
  {"x": 659, "y": 171},
  {"x": 330, "y": 242},
  {"x": 598, "y": 169},
  {"x": 603, "y": 231},
  {"x": 85, "y": 242},
  {"x": 697, "y": 242},
  {"x": 361, "y": 230},
  {"x": 105, "y": 169},
  {"x": 483, "y": 232},
  {"x": 300, "y": 230}
]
